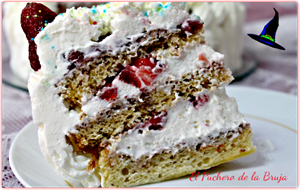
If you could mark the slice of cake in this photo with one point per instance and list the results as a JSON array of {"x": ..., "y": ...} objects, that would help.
[{"x": 126, "y": 94}]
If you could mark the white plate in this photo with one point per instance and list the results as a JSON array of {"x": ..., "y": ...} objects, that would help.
[{"x": 273, "y": 117}]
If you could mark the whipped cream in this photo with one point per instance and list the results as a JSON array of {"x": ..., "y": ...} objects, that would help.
[
  {"x": 78, "y": 30},
  {"x": 190, "y": 56},
  {"x": 92, "y": 106},
  {"x": 184, "y": 127},
  {"x": 126, "y": 90},
  {"x": 223, "y": 25}
]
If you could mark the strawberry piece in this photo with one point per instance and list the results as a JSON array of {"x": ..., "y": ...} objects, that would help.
[
  {"x": 191, "y": 26},
  {"x": 145, "y": 70},
  {"x": 202, "y": 57},
  {"x": 157, "y": 122},
  {"x": 109, "y": 94},
  {"x": 142, "y": 70},
  {"x": 200, "y": 101},
  {"x": 76, "y": 59},
  {"x": 144, "y": 62},
  {"x": 128, "y": 76},
  {"x": 33, "y": 57},
  {"x": 146, "y": 75},
  {"x": 34, "y": 17}
]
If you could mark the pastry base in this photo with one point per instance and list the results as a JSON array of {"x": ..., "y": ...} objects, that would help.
[{"x": 121, "y": 171}]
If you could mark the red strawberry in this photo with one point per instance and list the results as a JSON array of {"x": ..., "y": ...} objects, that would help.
[
  {"x": 146, "y": 62},
  {"x": 34, "y": 17},
  {"x": 200, "y": 101},
  {"x": 202, "y": 57},
  {"x": 33, "y": 57},
  {"x": 146, "y": 75},
  {"x": 157, "y": 122},
  {"x": 128, "y": 76},
  {"x": 191, "y": 26},
  {"x": 145, "y": 70},
  {"x": 142, "y": 70},
  {"x": 76, "y": 59},
  {"x": 109, "y": 94}
]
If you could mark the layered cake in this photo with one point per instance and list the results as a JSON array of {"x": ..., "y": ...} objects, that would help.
[
  {"x": 223, "y": 25},
  {"x": 223, "y": 30},
  {"x": 126, "y": 94}
]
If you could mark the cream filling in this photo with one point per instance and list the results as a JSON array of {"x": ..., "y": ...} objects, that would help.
[
  {"x": 189, "y": 61},
  {"x": 92, "y": 107},
  {"x": 95, "y": 105},
  {"x": 185, "y": 125},
  {"x": 126, "y": 90}
]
